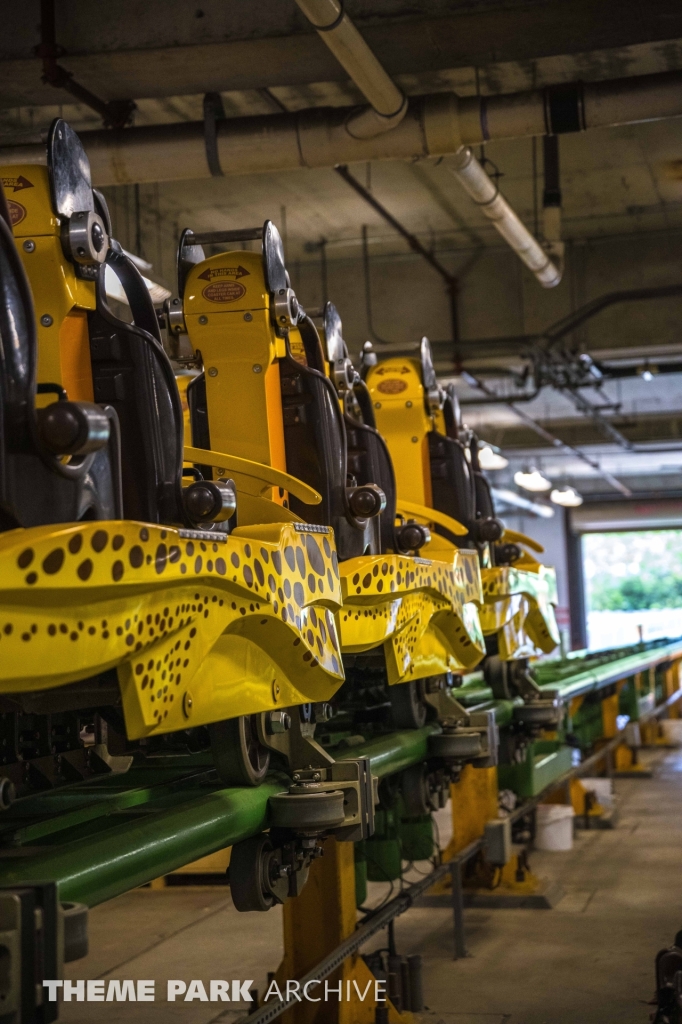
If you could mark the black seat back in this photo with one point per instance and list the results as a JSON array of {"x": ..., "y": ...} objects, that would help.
[
  {"x": 132, "y": 373},
  {"x": 369, "y": 460},
  {"x": 316, "y": 447},
  {"x": 452, "y": 485},
  {"x": 36, "y": 487}
]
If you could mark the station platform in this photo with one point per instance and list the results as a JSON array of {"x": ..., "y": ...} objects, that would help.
[{"x": 588, "y": 960}]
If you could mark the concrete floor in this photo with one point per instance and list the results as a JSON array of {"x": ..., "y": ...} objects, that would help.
[{"x": 588, "y": 961}]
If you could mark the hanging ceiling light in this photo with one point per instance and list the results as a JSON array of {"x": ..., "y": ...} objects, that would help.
[
  {"x": 532, "y": 480},
  {"x": 566, "y": 496},
  {"x": 491, "y": 458}
]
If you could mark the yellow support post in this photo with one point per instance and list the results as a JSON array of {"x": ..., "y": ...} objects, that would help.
[{"x": 315, "y": 923}]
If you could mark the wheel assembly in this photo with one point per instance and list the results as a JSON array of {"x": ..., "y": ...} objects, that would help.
[
  {"x": 408, "y": 709},
  {"x": 250, "y": 865},
  {"x": 415, "y": 791},
  {"x": 239, "y": 756},
  {"x": 456, "y": 745},
  {"x": 307, "y": 810},
  {"x": 541, "y": 712}
]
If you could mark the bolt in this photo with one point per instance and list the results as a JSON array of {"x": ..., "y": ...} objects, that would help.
[
  {"x": 278, "y": 722},
  {"x": 257, "y": 368},
  {"x": 176, "y": 302},
  {"x": 415, "y": 440},
  {"x": 408, "y": 405},
  {"x": 248, "y": 317},
  {"x": 316, "y": 776},
  {"x": 46, "y": 320},
  {"x": 275, "y": 690},
  {"x": 212, "y": 371},
  {"x": 29, "y": 245},
  {"x": 296, "y": 777},
  {"x": 377, "y": 405},
  {"x": 203, "y": 319},
  {"x": 187, "y": 703}
]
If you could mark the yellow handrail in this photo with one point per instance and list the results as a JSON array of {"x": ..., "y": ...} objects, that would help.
[
  {"x": 267, "y": 475},
  {"x": 520, "y": 538},
  {"x": 431, "y": 515}
]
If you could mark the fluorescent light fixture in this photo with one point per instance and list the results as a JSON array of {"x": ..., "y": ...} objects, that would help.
[
  {"x": 489, "y": 458},
  {"x": 532, "y": 480},
  {"x": 515, "y": 500},
  {"x": 566, "y": 496}
]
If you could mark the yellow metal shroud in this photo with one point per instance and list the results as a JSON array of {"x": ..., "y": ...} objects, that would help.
[
  {"x": 63, "y": 345},
  {"x": 198, "y": 630},
  {"x": 518, "y": 601},
  {"x": 427, "y": 628},
  {"x": 423, "y": 612}
]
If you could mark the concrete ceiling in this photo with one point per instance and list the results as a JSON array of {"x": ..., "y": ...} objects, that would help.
[{"x": 622, "y": 186}]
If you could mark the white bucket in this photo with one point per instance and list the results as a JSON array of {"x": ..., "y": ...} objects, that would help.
[
  {"x": 554, "y": 827},
  {"x": 672, "y": 730},
  {"x": 602, "y": 789}
]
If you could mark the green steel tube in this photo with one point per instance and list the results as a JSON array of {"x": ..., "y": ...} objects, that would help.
[
  {"x": 504, "y": 709},
  {"x": 620, "y": 668},
  {"x": 97, "y": 868},
  {"x": 473, "y": 696},
  {"x": 92, "y": 870},
  {"x": 393, "y": 753}
]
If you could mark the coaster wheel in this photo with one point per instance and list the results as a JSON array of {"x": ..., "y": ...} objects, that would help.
[
  {"x": 408, "y": 709},
  {"x": 239, "y": 756},
  {"x": 249, "y": 873}
]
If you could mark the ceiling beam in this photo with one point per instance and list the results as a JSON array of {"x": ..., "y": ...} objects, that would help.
[{"x": 179, "y": 65}]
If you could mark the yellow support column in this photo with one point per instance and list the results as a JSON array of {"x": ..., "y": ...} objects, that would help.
[
  {"x": 315, "y": 923},
  {"x": 474, "y": 801}
]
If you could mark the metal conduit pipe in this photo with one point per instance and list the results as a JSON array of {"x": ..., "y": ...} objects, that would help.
[
  {"x": 388, "y": 105},
  {"x": 495, "y": 207},
  {"x": 434, "y": 125}
]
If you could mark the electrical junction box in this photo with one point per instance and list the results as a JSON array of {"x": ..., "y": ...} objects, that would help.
[{"x": 497, "y": 842}]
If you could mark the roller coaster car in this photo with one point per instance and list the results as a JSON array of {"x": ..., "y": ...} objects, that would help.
[
  {"x": 134, "y": 611},
  {"x": 266, "y": 391},
  {"x": 420, "y": 421},
  {"x": 435, "y": 668}
]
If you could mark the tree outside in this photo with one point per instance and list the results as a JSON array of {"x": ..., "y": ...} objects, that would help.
[{"x": 633, "y": 580}]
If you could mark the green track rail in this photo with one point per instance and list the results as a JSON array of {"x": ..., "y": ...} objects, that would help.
[
  {"x": 100, "y": 838},
  {"x": 581, "y": 672}
]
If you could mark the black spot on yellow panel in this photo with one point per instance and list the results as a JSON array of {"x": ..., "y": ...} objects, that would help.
[
  {"x": 25, "y": 558},
  {"x": 314, "y": 554},
  {"x": 84, "y": 570},
  {"x": 136, "y": 556},
  {"x": 53, "y": 562},
  {"x": 161, "y": 558},
  {"x": 99, "y": 540}
]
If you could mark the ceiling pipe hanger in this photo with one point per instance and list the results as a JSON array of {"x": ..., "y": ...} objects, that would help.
[{"x": 114, "y": 113}]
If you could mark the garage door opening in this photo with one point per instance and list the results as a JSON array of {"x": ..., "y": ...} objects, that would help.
[{"x": 633, "y": 586}]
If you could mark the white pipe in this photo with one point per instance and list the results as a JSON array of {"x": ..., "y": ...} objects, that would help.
[
  {"x": 435, "y": 125},
  {"x": 387, "y": 104},
  {"x": 495, "y": 207}
]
